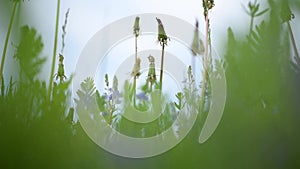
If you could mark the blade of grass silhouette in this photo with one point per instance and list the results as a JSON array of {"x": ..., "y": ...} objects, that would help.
[
  {"x": 54, "y": 49},
  {"x": 136, "y": 29},
  {"x": 204, "y": 72},
  {"x": 7, "y": 37},
  {"x": 197, "y": 47},
  {"x": 162, "y": 66},
  {"x": 293, "y": 40},
  {"x": 218, "y": 97},
  {"x": 61, "y": 70},
  {"x": 163, "y": 39}
]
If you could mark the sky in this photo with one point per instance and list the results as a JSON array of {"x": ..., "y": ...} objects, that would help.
[{"x": 89, "y": 16}]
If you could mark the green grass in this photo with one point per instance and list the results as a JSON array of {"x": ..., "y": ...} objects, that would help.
[{"x": 259, "y": 128}]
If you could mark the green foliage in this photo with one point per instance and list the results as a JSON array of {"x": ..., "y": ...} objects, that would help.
[
  {"x": 35, "y": 131},
  {"x": 286, "y": 13},
  {"x": 253, "y": 9},
  {"x": 179, "y": 97},
  {"x": 259, "y": 99},
  {"x": 2, "y": 86},
  {"x": 253, "y": 12},
  {"x": 100, "y": 101},
  {"x": 87, "y": 87},
  {"x": 27, "y": 54},
  {"x": 259, "y": 129},
  {"x": 61, "y": 70}
]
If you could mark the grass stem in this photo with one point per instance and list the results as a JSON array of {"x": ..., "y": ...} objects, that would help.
[
  {"x": 54, "y": 49},
  {"x": 293, "y": 40},
  {"x": 251, "y": 25},
  {"x": 162, "y": 65},
  {"x": 204, "y": 73},
  {"x": 134, "y": 78},
  {"x": 7, "y": 37}
]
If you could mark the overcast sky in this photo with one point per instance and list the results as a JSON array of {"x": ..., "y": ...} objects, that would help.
[{"x": 89, "y": 16}]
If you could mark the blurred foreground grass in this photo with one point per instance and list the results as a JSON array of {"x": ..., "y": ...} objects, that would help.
[{"x": 259, "y": 128}]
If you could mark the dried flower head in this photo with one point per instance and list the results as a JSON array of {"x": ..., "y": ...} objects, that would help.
[
  {"x": 136, "y": 27},
  {"x": 162, "y": 36}
]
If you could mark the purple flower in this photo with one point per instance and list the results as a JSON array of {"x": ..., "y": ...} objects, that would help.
[
  {"x": 108, "y": 97},
  {"x": 142, "y": 96},
  {"x": 116, "y": 94}
]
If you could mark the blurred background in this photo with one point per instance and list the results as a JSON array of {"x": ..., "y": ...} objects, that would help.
[{"x": 260, "y": 124}]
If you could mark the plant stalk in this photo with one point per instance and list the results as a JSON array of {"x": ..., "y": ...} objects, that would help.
[
  {"x": 7, "y": 37},
  {"x": 204, "y": 73},
  {"x": 54, "y": 49},
  {"x": 293, "y": 40},
  {"x": 134, "y": 78},
  {"x": 162, "y": 65},
  {"x": 251, "y": 25},
  {"x": 136, "y": 48}
]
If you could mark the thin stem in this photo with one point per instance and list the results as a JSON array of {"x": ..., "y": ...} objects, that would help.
[
  {"x": 293, "y": 40},
  {"x": 162, "y": 65},
  {"x": 136, "y": 48},
  {"x": 134, "y": 78},
  {"x": 54, "y": 49},
  {"x": 251, "y": 25},
  {"x": 204, "y": 73},
  {"x": 134, "y": 90},
  {"x": 7, "y": 37}
]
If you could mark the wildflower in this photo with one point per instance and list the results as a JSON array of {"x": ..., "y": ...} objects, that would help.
[
  {"x": 197, "y": 45},
  {"x": 106, "y": 80},
  {"x": 136, "y": 69},
  {"x": 104, "y": 113},
  {"x": 162, "y": 36},
  {"x": 136, "y": 27},
  {"x": 108, "y": 96},
  {"x": 115, "y": 83},
  {"x": 210, "y": 4},
  {"x": 163, "y": 39},
  {"x": 151, "y": 72},
  {"x": 61, "y": 71},
  {"x": 115, "y": 95},
  {"x": 142, "y": 96}
]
